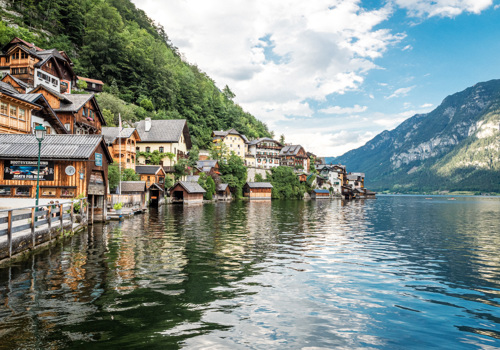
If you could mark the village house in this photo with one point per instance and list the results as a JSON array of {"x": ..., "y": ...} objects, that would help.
[
  {"x": 154, "y": 176},
  {"x": 20, "y": 86},
  {"x": 356, "y": 180},
  {"x": 165, "y": 136},
  {"x": 79, "y": 113},
  {"x": 320, "y": 194},
  {"x": 93, "y": 85},
  {"x": 209, "y": 167},
  {"x": 35, "y": 66},
  {"x": 230, "y": 141},
  {"x": 122, "y": 145},
  {"x": 71, "y": 165},
  {"x": 187, "y": 193},
  {"x": 222, "y": 192},
  {"x": 294, "y": 156},
  {"x": 266, "y": 152},
  {"x": 21, "y": 113},
  {"x": 257, "y": 190},
  {"x": 336, "y": 174},
  {"x": 133, "y": 194}
]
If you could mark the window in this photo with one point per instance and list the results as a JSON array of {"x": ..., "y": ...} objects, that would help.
[
  {"x": 161, "y": 149},
  {"x": 22, "y": 114},
  {"x": 3, "y": 108},
  {"x": 68, "y": 192},
  {"x": 67, "y": 126},
  {"x": 5, "y": 190},
  {"x": 93, "y": 85},
  {"x": 128, "y": 160},
  {"x": 49, "y": 131},
  {"x": 48, "y": 192},
  {"x": 148, "y": 149},
  {"x": 137, "y": 149},
  {"x": 13, "y": 111},
  {"x": 23, "y": 191},
  {"x": 24, "y": 55}
]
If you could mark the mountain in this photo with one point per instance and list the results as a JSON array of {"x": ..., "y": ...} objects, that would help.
[
  {"x": 456, "y": 147},
  {"x": 145, "y": 75}
]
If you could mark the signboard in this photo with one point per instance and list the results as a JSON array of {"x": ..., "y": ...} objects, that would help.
[
  {"x": 27, "y": 170},
  {"x": 98, "y": 159}
]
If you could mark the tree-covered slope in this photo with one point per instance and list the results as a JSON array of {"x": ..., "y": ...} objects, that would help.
[
  {"x": 113, "y": 41},
  {"x": 455, "y": 147}
]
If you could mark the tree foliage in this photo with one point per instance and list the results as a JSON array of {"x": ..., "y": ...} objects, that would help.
[{"x": 286, "y": 184}]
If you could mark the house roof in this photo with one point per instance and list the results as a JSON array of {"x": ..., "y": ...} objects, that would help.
[
  {"x": 192, "y": 178},
  {"x": 259, "y": 185},
  {"x": 167, "y": 131},
  {"x": 263, "y": 139},
  {"x": 111, "y": 133},
  {"x": 290, "y": 150},
  {"x": 190, "y": 187},
  {"x": 354, "y": 177},
  {"x": 209, "y": 163},
  {"x": 53, "y": 92},
  {"x": 18, "y": 81},
  {"x": 222, "y": 187},
  {"x": 133, "y": 186},
  {"x": 147, "y": 169},
  {"x": 74, "y": 102},
  {"x": 47, "y": 112},
  {"x": 321, "y": 191},
  {"x": 232, "y": 131},
  {"x": 53, "y": 146},
  {"x": 95, "y": 81},
  {"x": 7, "y": 88}
]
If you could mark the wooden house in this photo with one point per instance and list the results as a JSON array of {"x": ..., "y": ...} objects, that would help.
[
  {"x": 93, "y": 85},
  {"x": 152, "y": 174},
  {"x": 209, "y": 167},
  {"x": 187, "y": 193},
  {"x": 79, "y": 113},
  {"x": 302, "y": 177},
  {"x": 122, "y": 145},
  {"x": 257, "y": 190},
  {"x": 164, "y": 136},
  {"x": 320, "y": 194},
  {"x": 294, "y": 156},
  {"x": 133, "y": 194},
  {"x": 35, "y": 66},
  {"x": 20, "y": 86},
  {"x": 222, "y": 192},
  {"x": 71, "y": 165}
]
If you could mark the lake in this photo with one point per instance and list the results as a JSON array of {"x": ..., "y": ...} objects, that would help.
[{"x": 398, "y": 272}]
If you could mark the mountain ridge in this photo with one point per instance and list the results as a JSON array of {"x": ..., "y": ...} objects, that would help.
[{"x": 455, "y": 147}]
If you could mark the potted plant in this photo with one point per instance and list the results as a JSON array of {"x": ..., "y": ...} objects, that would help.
[{"x": 118, "y": 207}]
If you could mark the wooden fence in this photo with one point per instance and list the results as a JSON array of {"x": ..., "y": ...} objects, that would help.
[{"x": 39, "y": 218}]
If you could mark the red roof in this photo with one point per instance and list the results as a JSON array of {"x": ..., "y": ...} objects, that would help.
[
  {"x": 91, "y": 80},
  {"x": 16, "y": 39}
]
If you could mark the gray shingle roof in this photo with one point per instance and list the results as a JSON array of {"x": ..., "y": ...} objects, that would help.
[
  {"x": 133, "y": 186},
  {"x": 206, "y": 163},
  {"x": 259, "y": 185},
  {"x": 263, "y": 139},
  {"x": 76, "y": 101},
  {"x": 192, "y": 178},
  {"x": 221, "y": 187},
  {"x": 161, "y": 130},
  {"x": 20, "y": 82},
  {"x": 111, "y": 133},
  {"x": 7, "y": 88},
  {"x": 53, "y": 146},
  {"x": 147, "y": 169},
  {"x": 232, "y": 131},
  {"x": 191, "y": 187},
  {"x": 290, "y": 150}
]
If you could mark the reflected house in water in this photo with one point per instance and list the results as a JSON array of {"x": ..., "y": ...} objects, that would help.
[
  {"x": 257, "y": 190},
  {"x": 71, "y": 165}
]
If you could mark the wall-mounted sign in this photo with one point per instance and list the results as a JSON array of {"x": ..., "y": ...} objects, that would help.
[
  {"x": 70, "y": 170},
  {"x": 28, "y": 169},
  {"x": 98, "y": 159}
]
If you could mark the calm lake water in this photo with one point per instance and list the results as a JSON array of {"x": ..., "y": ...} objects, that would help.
[{"x": 398, "y": 272}]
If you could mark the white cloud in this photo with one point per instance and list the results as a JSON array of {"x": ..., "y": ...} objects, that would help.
[
  {"x": 344, "y": 110},
  {"x": 277, "y": 55},
  {"x": 443, "y": 8},
  {"x": 401, "y": 92},
  {"x": 407, "y": 48},
  {"x": 426, "y": 105}
]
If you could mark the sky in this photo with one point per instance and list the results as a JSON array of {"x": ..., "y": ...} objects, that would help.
[{"x": 332, "y": 74}]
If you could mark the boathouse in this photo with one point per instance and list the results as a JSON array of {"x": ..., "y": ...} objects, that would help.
[
  {"x": 70, "y": 166},
  {"x": 222, "y": 192},
  {"x": 187, "y": 192},
  {"x": 320, "y": 194},
  {"x": 133, "y": 194},
  {"x": 257, "y": 190}
]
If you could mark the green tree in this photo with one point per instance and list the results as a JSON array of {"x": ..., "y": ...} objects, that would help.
[
  {"x": 234, "y": 173},
  {"x": 286, "y": 184}
]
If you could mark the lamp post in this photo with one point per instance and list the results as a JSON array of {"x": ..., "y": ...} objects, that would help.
[{"x": 40, "y": 135}]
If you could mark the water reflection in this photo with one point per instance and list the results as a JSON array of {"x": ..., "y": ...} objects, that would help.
[{"x": 387, "y": 273}]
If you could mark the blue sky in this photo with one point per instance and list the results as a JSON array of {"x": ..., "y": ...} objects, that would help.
[{"x": 331, "y": 74}]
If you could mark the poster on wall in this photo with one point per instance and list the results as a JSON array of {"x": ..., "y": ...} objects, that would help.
[{"x": 27, "y": 170}]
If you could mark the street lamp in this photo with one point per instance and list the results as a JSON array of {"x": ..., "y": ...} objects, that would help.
[{"x": 40, "y": 132}]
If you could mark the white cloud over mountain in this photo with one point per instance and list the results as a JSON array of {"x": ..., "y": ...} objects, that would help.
[{"x": 443, "y": 8}]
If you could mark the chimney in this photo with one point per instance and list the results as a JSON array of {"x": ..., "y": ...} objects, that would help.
[{"x": 147, "y": 124}]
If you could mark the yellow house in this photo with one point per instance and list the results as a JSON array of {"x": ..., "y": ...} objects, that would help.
[
  {"x": 232, "y": 140},
  {"x": 164, "y": 136}
]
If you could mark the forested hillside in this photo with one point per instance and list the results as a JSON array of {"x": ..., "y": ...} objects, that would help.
[
  {"x": 113, "y": 41},
  {"x": 456, "y": 147}
]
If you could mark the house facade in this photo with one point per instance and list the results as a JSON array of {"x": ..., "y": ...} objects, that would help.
[
  {"x": 230, "y": 141},
  {"x": 294, "y": 156},
  {"x": 164, "y": 136},
  {"x": 187, "y": 193},
  {"x": 266, "y": 152},
  {"x": 93, "y": 85},
  {"x": 122, "y": 145},
  {"x": 258, "y": 190}
]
